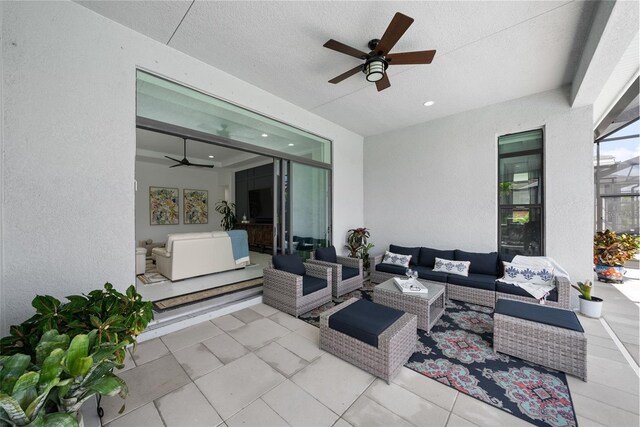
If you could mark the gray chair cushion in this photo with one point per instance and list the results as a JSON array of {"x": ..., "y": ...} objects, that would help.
[
  {"x": 327, "y": 254},
  {"x": 349, "y": 272}
]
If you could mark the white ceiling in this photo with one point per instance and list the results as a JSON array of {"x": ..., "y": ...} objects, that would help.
[
  {"x": 487, "y": 52},
  {"x": 153, "y": 146}
]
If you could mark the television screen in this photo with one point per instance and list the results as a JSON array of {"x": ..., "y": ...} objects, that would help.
[{"x": 261, "y": 205}]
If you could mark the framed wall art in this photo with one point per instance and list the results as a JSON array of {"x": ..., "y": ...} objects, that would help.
[
  {"x": 164, "y": 206},
  {"x": 196, "y": 206}
]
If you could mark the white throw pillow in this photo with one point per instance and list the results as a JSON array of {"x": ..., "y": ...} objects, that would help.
[
  {"x": 460, "y": 268},
  {"x": 396, "y": 259},
  {"x": 514, "y": 273}
]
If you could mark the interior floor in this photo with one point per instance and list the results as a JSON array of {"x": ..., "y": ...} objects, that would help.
[{"x": 168, "y": 289}]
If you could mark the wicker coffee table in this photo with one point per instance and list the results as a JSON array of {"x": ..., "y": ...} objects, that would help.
[{"x": 429, "y": 308}]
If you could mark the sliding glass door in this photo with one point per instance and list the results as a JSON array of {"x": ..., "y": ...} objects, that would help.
[{"x": 303, "y": 208}]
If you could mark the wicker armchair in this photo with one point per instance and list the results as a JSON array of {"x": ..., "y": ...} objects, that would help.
[
  {"x": 284, "y": 290},
  {"x": 342, "y": 286}
]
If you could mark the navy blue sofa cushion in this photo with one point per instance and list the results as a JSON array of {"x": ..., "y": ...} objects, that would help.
[
  {"x": 289, "y": 263},
  {"x": 312, "y": 284},
  {"x": 481, "y": 263},
  {"x": 561, "y": 318},
  {"x": 414, "y": 252},
  {"x": 349, "y": 272},
  {"x": 474, "y": 280},
  {"x": 327, "y": 254},
  {"x": 507, "y": 288},
  {"x": 391, "y": 268},
  {"x": 427, "y": 273},
  {"x": 364, "y": 320},
  {"x": 428, "y": 256}
]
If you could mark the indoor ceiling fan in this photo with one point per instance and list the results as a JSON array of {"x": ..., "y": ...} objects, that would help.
[
  {"x": 379, "y": 58},
  {"x": 185, "y": 161}
]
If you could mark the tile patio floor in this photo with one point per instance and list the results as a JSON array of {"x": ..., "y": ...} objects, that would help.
[{"x": 261, "y": 367}]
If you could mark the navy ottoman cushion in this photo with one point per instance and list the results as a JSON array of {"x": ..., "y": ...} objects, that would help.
[
  {"x": 289, "y": 263},
  {"x": 507, "y": 288},
  {"x": 327, "y": 254},
  {"x": 348, "y": 272},
  {"x": 414, "y": 252},
  {"x": 312, "y": 284},
  {"x": 558, "y": 317},
  {"x": 364, "y": 320},
  {"x": 481, "y": 263},
  {"x": 474, "y": 280}
]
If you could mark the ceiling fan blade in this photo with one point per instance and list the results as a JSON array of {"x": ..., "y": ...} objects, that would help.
[
  {"x": 383, "y": 83},
  {"x": 406, "y": 58},
  {"x": 175, "y": 166},
  {"x": 175, "y": 160},
  {"x": 345, "y": 75},
  {"x": 399, "y": 24},
  {"x": 347, "y": 50},
  {"x": 200, "y": 166}
]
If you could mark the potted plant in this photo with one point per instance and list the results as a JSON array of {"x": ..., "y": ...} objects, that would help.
[
  {"x": 589, "y": 305},
  {"x": 66, "y": 353},
  {"x": 227, "y": 210},
  {"x": 358, "y": 246},
  {"x": 611, "y": 251}
]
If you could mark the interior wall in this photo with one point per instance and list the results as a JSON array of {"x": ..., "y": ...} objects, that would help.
[
  {"x": 159, "y": 175},
  {"x": 435, "y": 184},
  {"x": 70, "y": 142}
]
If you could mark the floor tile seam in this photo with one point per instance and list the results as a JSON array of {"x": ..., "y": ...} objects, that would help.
[
  {"x": 301, "y": 357},
  {"x": 621, "y": 347},
  {"x": 285, "y": 349},
  {"x": 386, "y": 407},
  {"x": 602, "y": 402},
  {"x": 312, "y": 396},
  {"x": 609, "y": 384},
  {"x": 254, "y": 400},
  {"x": 455, "y": 399},
  {"x": 164, "y": 423},
  {"x": 424, "y": 398},
  {"x": 273, "y": 409},
  {"x": 209, "y": 402}
]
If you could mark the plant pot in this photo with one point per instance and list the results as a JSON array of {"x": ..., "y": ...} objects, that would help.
[
  {"x": 613, "y": 273},
  {"x": 591, "y": 308}
]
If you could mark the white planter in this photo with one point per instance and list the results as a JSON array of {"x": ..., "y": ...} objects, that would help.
[{"x": 591, "y": 308}]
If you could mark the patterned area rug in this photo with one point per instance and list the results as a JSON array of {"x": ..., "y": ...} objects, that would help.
[
  {"x": 459, "y": 354},
  {"x": 151, "y": 274}
]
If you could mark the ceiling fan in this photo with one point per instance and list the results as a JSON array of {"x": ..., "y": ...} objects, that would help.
[
  {"x": 379, "y": 58},
  {"x": 185, "y": 161}
]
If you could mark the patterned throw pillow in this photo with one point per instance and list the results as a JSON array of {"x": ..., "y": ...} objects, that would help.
[
  {"x": 526, "y": 274},
  {"x": 460, "y": 268},
  {"x": 396, "y": 259}
]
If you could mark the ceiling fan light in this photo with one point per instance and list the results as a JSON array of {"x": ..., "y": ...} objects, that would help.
[{"x": 374, "y": 70}]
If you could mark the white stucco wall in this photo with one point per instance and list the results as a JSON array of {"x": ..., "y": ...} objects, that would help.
[
  {"x": 69, "y": 139},
  {"x": 449, "y": 168},
  {"x": 158, "y": 175}
]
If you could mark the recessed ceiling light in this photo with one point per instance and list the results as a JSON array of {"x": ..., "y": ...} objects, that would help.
[
  {"x": 428, "y": 103},
  {"x": 264, "y": 135},
  {"x": 211, "y": 157},
  {"x": 291, "y": 145}
]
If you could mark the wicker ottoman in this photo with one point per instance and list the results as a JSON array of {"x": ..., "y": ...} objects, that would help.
[
  {"x": 549, "y": 336},
  {"x": 395, "y": 344}
]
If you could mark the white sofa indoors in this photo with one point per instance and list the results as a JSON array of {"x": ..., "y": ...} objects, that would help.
[{"x": 194, "y": 254}]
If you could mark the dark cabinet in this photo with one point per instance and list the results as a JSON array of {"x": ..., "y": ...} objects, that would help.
[{"x": 254, "y": 194}]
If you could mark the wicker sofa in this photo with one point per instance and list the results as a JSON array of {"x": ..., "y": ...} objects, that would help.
[{"x": 480, "y": 287}]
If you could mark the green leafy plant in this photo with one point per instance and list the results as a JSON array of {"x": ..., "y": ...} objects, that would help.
[
  {"x": 358, "y": 246},
  {"x": 116, "y": 317},
  {"x": 610, "y": 248},
  {"x": 227, "y": 210},
  {"x": 584, "y": 289}
]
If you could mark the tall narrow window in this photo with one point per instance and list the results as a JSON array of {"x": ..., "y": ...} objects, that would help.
[{"x": 520, "y": 194}]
